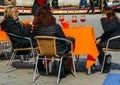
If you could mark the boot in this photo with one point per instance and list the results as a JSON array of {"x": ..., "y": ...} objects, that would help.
[
  {"x": 106, "y": 69},
  {"x": 107, "y": 64}
]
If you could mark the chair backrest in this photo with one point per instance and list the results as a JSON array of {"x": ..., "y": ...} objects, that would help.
[{"x": 47, "y": 46}]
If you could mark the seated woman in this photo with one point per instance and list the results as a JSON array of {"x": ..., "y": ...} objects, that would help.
[
  {"x": 12, "y": 24},
  {"x": 111, "y": 26},
  {"x": 45, "y": 25}
]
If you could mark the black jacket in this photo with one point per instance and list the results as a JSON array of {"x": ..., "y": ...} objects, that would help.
[
  {"x": 111, "y": 29},
  {"x": 56, "y": 31},
  {"x": 16, "y": 27}
]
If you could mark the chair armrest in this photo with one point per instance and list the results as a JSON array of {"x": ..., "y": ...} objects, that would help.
[
  {"x": 18, "y": 36},
  {"x": 63, "y": 39},
  {"x": 112, "y": 38},
  {"x": 27, "y": 38},
  {"x": 66, "y": 40}
]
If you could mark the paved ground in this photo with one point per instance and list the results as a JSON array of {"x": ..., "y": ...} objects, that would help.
[{"x": 24, "y": 74}]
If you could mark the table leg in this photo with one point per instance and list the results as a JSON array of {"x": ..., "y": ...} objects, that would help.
[{"x": 88, "y": 71}]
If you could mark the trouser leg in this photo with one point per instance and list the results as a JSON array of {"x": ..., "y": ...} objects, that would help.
[
  {"x": 40, "y": 65},
  {"x": 101, "y": 56}
]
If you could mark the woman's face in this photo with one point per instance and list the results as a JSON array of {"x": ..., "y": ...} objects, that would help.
[{"x": 14, "y": 13}]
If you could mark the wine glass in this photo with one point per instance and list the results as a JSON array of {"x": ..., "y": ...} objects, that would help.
[
  {"x": 74, "y": 20},
  {"x": 61, "y": 18},
  {"x": 83, "y": 19}
]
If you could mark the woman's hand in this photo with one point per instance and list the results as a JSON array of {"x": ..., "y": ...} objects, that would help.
[
  {"x": 98, "y": 41},
  {"x": 31, "y": 21},
  {"x": 104, "y": 15}
]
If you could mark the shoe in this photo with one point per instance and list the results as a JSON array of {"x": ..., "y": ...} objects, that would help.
[
  {"x": 107, "y": 64},
  {"x": 93, "y": 68},
  {"x": 106, "y": 70}
]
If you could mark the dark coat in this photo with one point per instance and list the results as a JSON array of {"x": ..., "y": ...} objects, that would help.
[
  {"x": 111, "y": 29},
  {"x": 56, "y": 31},
  {"x": 16, "y": 27}
]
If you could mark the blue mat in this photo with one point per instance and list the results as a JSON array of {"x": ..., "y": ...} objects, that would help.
[{"x": 112, "y": 79}]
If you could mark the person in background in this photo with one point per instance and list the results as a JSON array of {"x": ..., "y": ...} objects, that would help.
[
  {"x": 111, "y": 26},
  {"x": 9, "y": 2},
  {"x": 91, "y": 6},
  {"x": 38, "y": 3},
  {"x": 82, "y": 3},
  {"x": 12, "y": 24},
  {"x": 34, "y": 7},
  {"x": 105, "y": 4},
  {"x": 45, "y": 25}
]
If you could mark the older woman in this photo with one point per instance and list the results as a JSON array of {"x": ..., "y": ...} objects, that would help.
[
  {"x": 12, "y": 24},
  {"x": 111, "y": 26}
]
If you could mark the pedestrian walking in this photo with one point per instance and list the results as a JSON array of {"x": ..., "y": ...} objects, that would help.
[
  {"x": 39, "y": 3},
  {"x": 102, "y": 6},
  {"x": 82, "y": 3},
  {"x": 91, "y": 6}
]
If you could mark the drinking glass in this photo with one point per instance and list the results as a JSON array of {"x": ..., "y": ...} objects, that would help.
[
  {"x": 83, "y": 19},
  {"x": 74, "y": 20},
  {"x": 61, "y": 18}
]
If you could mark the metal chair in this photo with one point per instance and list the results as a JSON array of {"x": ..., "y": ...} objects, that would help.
[
  {"x": 47, "y": 48},
  {"x": 15, "y": 50},
  {"x": 106, "y": 49}
]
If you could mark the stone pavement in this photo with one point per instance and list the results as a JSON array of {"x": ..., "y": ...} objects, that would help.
[
  {"x": 23, "y": 74},
  {"x": 24, "y": 71}
]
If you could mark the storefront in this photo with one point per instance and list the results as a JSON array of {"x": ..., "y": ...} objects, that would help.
[{"x": 61, "y": 6}]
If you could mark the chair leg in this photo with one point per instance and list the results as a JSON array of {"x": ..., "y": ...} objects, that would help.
[
  {"x": 74, "y": 66},
  {"x": 1, "y": 47},
  {"x": 103, "y": 62},
  {"x": 59, "y": 72},
  {"x": 50, "y": 67},
  {"x": 89, "y": 71},
  {"x": 46, "y": 65},
  {"x": 5, "y": 50},
  {"x": 51, "y": 64},
  {"x": 104, "y": 57},
  {"x": 11, "y": 60},
  {"x": 77, "y": 61},
  {"x": 35, "y": 71}
]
